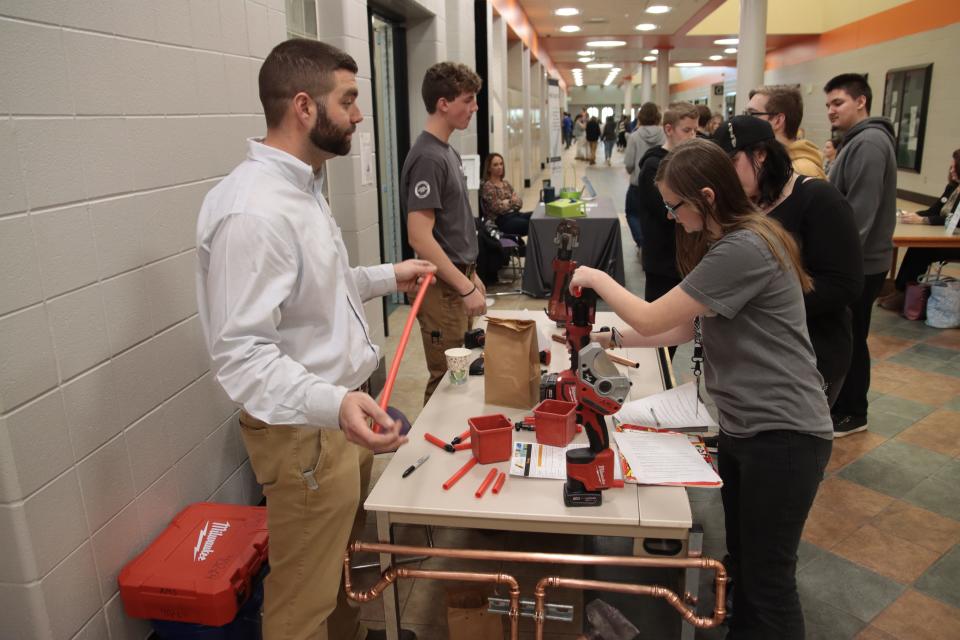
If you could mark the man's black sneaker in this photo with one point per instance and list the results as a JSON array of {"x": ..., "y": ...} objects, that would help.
[{"x": 845, "y": 425}]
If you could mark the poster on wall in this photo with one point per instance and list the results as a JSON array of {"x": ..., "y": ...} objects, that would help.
[{"x": 555, "y": 124}]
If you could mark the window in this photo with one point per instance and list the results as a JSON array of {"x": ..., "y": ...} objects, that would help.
[
  {"x": 302, "y": 19},
  {"x": 905, "y": 98}
]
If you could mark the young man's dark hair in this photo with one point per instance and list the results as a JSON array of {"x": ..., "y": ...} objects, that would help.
[
  {"x": 854, "y": 84},
  {"x": 649, "y": 115},
  {"x": 704, "y": 115},
  {"x": 298, "y": 65},
  {"x": 787, "y": 100},
  {"x": 448, "y": 80}
]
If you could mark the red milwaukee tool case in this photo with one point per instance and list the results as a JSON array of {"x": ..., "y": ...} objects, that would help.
[{"x": 200, "y": 567}]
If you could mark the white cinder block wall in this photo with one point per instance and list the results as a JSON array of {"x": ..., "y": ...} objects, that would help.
[
  {"x": 115, "y": 118},
  {"x": 937, "y": 46}
]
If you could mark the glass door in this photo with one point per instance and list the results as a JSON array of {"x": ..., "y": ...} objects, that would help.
[{"x": 388, "y": 155}]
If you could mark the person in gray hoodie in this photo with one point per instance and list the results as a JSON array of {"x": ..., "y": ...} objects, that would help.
[
  {"x": 647, "y": 135},
  {"x": 865, "y": 172}
]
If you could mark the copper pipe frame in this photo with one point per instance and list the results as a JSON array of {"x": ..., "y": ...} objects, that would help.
[{"x": 391, "y": 574}]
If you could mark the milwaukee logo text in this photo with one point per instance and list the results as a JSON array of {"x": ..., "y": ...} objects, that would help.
[{"x": 208, "y": 536}]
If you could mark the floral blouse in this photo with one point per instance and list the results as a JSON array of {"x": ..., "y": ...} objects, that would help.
[{"x": 499, "y": 199}]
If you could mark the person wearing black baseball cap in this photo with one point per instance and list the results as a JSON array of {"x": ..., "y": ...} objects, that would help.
[{"x": 821, "y": 221}]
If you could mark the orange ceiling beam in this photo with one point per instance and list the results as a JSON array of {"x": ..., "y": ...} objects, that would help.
[{"x": 516, "y": 17}]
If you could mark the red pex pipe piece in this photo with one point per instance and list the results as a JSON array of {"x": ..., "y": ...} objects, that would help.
[
  {"x": 499, "y": 483},
  {"x": 486, "y": 483},
  {"x": 459, "y": 474},
  {"x": 434, "y": 440},
  {"x": 462, "y": 445},
  {"x": 402, "y": 345}
]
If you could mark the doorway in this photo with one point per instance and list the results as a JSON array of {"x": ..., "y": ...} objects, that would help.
[{"x": 388, "y": 56}]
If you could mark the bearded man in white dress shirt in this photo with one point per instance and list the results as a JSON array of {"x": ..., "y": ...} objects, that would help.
[{"x": 282, "y": 313}]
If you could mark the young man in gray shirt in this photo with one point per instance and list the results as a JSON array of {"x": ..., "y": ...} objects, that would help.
[
  {"x": 865, "y": 172},
  {"x": 440, "y": 222}
]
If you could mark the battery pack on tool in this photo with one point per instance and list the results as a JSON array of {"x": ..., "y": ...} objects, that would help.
[{"x": 200, "y": 568}]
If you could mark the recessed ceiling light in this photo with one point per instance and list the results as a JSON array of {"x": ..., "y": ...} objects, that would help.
[
  {"x": 650, "y": 58},
  {"x": 658, "y": 8},
  {"x": 730, "y": 50},
  {"x": 600, "y": 65},
  {"x": 687, "y": 64},
  {"x": 716, "y": 57},
  {"x": 569, "y": 28},
  {"x": 645, "y": 26},
  {"x": 654, "y": 51},
  {"x": 727, "y": 41},
  {"x": 606, "y": 43},
  {"x": 584, "y": 53},
  {"x": 567, "y": 11},
  {"x": 585, "y": 59}
]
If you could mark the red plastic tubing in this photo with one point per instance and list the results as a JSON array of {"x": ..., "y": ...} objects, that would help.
[{"x": 404, "y": 338}]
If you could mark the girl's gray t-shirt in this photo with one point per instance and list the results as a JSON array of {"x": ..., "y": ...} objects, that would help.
[{"x": 759, "y": 366}]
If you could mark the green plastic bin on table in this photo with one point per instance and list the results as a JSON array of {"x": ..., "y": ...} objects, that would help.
[{"x": 566, "y": 208}]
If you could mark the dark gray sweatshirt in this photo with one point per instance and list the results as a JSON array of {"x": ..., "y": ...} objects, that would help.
[{"x": 865, "y": 172}]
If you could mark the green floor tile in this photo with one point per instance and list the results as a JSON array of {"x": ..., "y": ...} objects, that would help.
[
  {"x": 942, "y": 580},
  {"x": 824, "y": 622},
  {"x": 891, "y": 479},
  {"x": 909, "y": 359},
  {"x": 931, "y": 351},
  {"x": 950, "y": 473},
  {"x": 936, "y": 495},
  {"x": 953, "y": 405},
  {"x": 900, "y": 407},
  {"x": 887, "y": 424},
  {"x": 847, "y": 586},
  {"x": 949, "y": 369},
  {"x": 807, "y": 553},
  {"x": 910, "y": 456}
]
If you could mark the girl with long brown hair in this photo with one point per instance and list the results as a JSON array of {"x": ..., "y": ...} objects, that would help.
[{"x": 742, "y": 298}]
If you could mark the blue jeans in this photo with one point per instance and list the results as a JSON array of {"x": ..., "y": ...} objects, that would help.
[{"x": 608, "y": 148}]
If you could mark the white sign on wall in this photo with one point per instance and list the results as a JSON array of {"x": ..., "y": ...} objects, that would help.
[{"x": 555, "y": 125}]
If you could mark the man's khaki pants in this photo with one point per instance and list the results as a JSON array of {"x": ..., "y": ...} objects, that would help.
[
  {"x": 443, "y": 321},
  {"x": 313, "y": 480}
]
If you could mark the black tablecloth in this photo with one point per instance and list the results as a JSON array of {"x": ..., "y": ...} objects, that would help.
[{"x": 600, "y": 246}]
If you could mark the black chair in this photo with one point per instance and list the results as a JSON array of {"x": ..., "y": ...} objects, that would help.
[{"x": 511, "y": 245}]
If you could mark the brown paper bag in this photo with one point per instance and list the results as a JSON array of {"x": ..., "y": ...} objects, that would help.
[
  {"x": 511, "y": 362},
  {"x": 468, "y": 618}
]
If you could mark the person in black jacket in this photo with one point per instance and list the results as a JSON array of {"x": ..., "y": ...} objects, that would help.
[
  {"x": 821, "y": 221},
  {"x": 659, "y": 232},
  {"x": 593, "y": 136},
  {"x": 918, "y": 259}
]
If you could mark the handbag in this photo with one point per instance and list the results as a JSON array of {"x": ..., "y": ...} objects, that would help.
[
  {"x": 915, "y": 297},
  {"x": 943, "y": 304}
]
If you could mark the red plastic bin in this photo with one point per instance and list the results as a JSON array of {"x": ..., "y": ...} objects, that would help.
[
  {"x": 491, "y": 438},
  {"x": 556, "y": 422},
  {"x": 200, "y": 568}
]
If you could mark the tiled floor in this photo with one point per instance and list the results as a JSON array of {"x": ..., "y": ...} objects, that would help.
[{"x": 880, "y": 557}]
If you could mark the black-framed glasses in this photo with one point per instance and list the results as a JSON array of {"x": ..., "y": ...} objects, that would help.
[
  {"x": 755, "y": 113},
  {"x": 672, "y": 209}
]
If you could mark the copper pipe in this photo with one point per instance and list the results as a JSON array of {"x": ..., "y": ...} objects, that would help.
[
  {"x": 688, "y": 613},
  {"x": 391, "y": 574}
]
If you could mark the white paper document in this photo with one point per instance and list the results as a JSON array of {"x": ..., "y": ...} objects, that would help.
[
  {"x": 665, "y": 459},
  {"x": 676, "y": 408},
  {"x": 533, "y": 460}
]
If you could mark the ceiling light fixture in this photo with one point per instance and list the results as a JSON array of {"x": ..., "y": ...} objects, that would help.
[
  {"x": 658, "y": 8},
  {"x": 585, "y": 59},
  {"x": 650, "y": 58},
  {"x": 606, "y": 43},
  {"x": 584, "y": 53},
  {"x": 687, "y": 64},
  {"x": 600, "y": 65},
  {"x": 645, "y": 26},
  {"x": 654, "y": 51},
  {"x": 727, "y": 41},
  {"x": 730, "y": 50},
  {"x": 567, "y": 11},
  {"x": 569, "y": 28},
  {"x": 715, "y": 58}
]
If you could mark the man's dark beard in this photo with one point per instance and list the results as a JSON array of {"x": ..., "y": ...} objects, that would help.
[{"x": 326, "y": 136}]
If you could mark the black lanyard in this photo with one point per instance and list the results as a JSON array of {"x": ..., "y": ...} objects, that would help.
[{"x": 697, "y": 357}]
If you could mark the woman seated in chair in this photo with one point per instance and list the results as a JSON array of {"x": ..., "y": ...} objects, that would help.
[
  {"x": 918, "y": 259},
  {"x": 498, "y": 200}
]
